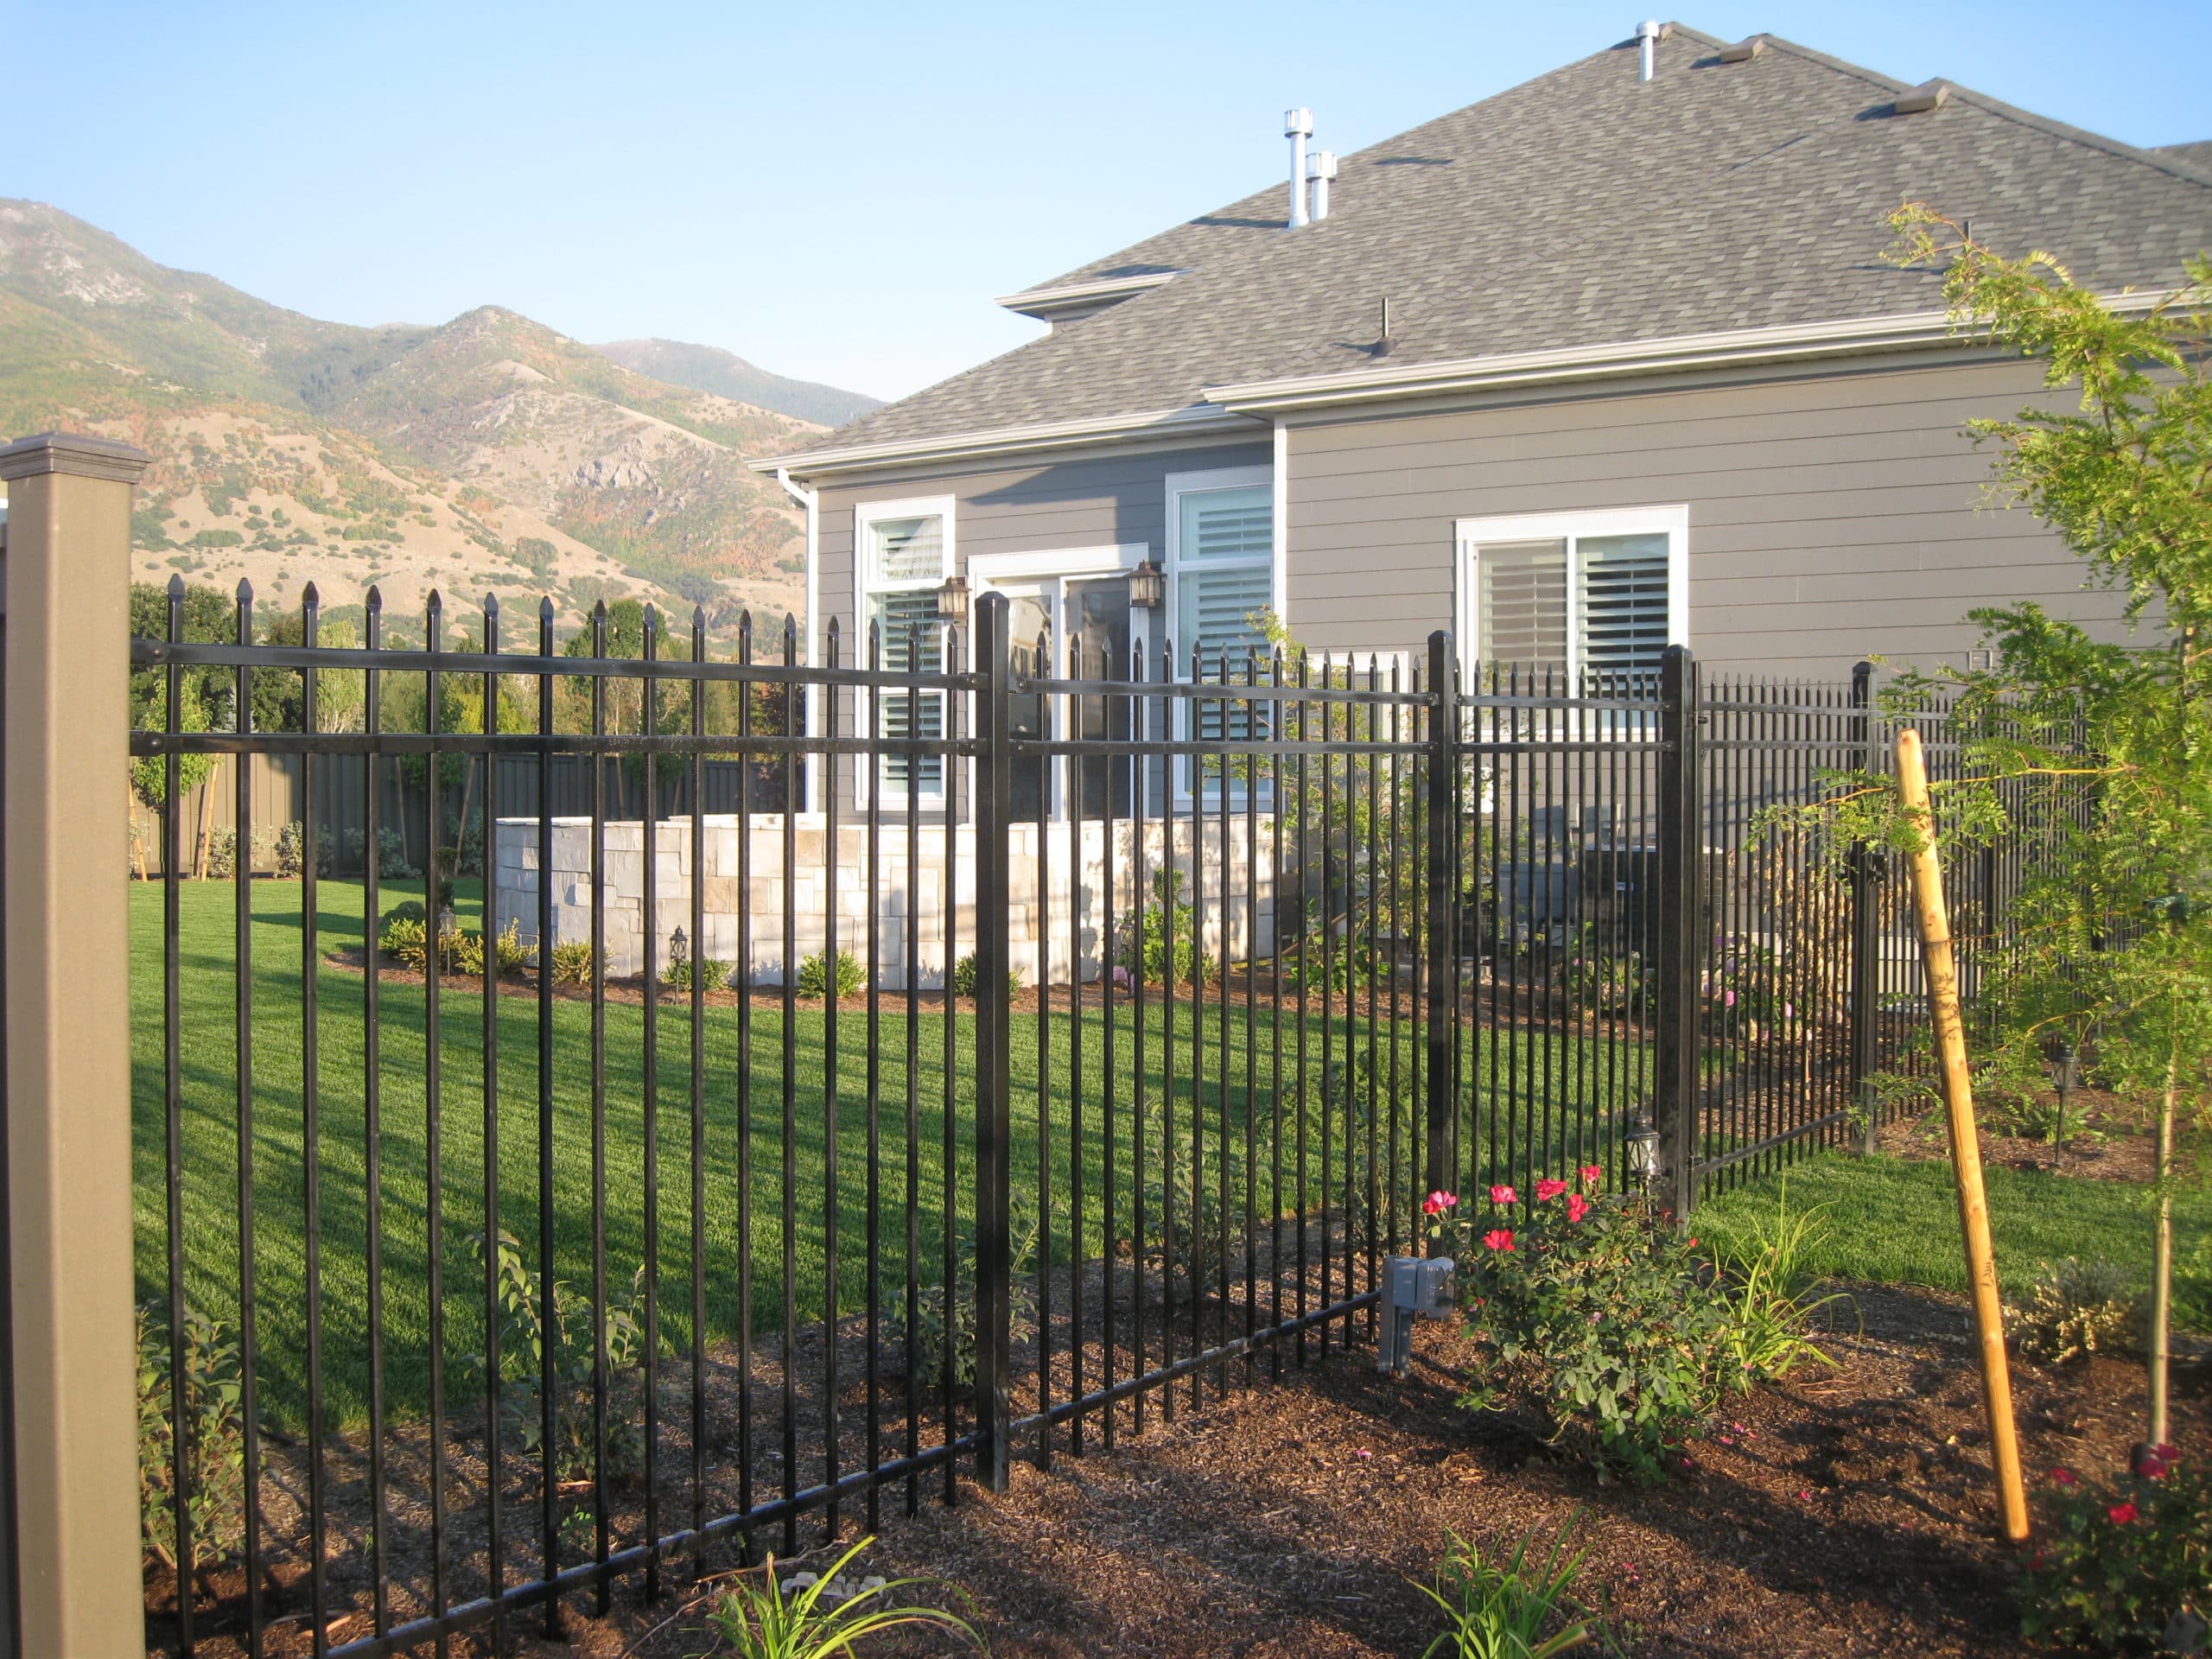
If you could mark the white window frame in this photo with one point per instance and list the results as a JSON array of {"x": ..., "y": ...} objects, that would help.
[
  {"x": 1213, "y": 481},
  {"x": 988, "y": 572},
  {"x": 866, "y": 516},
  {"x": 1672, "y": 522}
]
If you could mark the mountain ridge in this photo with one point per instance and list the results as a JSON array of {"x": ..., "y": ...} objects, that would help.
[
  {"x": 488, "y": 453},
  {"x": 709, "y": 368}
]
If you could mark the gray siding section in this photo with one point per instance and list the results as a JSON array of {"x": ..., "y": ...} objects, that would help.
[{"x": 1832, "y": 515}]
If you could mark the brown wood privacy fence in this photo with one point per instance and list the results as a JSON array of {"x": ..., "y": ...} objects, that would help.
[{"x": 279, "y": 798}]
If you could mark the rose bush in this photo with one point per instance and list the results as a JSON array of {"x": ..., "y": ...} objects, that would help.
[
  {"x": 2126, "y": 1569},
  {"x": 1591, "y": 1306}
]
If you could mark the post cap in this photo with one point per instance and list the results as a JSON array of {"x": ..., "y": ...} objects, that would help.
[{"x": 80, "y": 454}]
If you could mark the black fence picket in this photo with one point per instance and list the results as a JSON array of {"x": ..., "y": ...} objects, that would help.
[{"x": 1182, "y": 976}]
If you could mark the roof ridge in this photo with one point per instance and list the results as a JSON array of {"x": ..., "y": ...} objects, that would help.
[{"x": 1998, "y": 107}]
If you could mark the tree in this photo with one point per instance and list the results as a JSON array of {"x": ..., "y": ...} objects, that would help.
[{"x": 2099, "y": 751}]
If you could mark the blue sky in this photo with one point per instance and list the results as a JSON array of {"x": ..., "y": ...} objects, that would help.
[{"x": 836, "y": 190}]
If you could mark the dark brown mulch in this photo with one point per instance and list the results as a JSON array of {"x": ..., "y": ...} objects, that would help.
[
  {"x": 2116, "y": 1142},
  {"x": 1843, "y": 1512}
]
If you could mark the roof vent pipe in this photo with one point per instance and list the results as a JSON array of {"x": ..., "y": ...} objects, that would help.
[
  {"x": 1298, "y": 127},
  {"x": 1320, "y": 168},
  {"x": 1647, "y": 42}
]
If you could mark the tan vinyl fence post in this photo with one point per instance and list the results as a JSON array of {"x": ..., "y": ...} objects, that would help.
[{"x": 66, "y": 711}]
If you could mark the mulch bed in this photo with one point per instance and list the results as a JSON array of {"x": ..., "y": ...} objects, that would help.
[{"x": 1842, "y": 1512}]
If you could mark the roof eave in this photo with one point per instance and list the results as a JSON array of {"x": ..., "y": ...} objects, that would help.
[
  {"x": 1785, "y": 343},
  {"x": 1193, "y": 420}
]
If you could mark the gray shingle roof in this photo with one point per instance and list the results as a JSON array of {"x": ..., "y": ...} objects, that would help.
[{"x": 1584, "y": 207}]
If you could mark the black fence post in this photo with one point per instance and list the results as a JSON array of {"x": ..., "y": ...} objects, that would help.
[
  {"x": 1443, "y": 934},
  {"x": 1866, "y": 920},
  {"x": 993, "y": 1020},
  {"x": 1682, "y": 862}
]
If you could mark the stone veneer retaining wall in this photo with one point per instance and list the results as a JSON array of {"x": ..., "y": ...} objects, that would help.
[{"x": 920, "y": 900}]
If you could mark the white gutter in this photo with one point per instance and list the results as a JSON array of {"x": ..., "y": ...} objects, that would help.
[
  {"x": 1008, "y": 440},
  {"x": 810, "y": 502},
  {"x": 1788, "y": 342}
]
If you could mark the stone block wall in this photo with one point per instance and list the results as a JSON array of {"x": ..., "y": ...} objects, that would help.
[{"x": 1236, "y": 914}]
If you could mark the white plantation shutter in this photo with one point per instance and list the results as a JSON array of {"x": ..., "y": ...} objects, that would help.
[
  {"x": 903, "y": 561},
  {"x": 1521, "y": 613},
  {"x": 907, "y": 549},
  {"x": 1624, "y": 604},
  {"x": 1225, "y": 576}
]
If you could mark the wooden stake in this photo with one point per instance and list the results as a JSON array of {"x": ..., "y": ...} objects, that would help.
[{"x": 1965, "y": 1145}]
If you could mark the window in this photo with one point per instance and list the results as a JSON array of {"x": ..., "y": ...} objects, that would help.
[
  {"x": 1221, "y": 567},
  {"x": 903, "y": 552},
  {"x": 1600, "y": 594}
]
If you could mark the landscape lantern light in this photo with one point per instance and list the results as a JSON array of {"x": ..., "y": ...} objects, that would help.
[
  {"x": 952, "y": 600},
  {"x": 678, "y": 946},
  {"x": 1643, "y": 1144},
  {"x": 2065, "y": 1070},
  {"x": 1148, "y": 586},
  {"x": 447, "y": 925}
]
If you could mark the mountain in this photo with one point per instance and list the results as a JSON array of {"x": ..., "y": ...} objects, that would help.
[
  {"x": 709, "y": 368},
  {"x": 490, "y": 453}
]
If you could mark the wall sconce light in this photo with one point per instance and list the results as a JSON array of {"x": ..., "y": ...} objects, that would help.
[
  {"x": 952, "y": 600},
  {"x": 1148, "y": 586}
]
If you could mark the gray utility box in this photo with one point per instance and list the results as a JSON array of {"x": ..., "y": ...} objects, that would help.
[{"x": 1414, "y": 1288}]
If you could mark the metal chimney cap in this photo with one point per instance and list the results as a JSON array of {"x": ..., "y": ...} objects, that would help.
[
  {"x": 1321, "y": 164},
  {"x": 1649, "y": 30},
  {"x": 1297, "y": 123}
]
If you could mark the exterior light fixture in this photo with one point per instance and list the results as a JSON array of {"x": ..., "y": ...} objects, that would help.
[
  {"x": 2065, "y": 1061},
  {"x": 1642, "y": 1144},
  {"x": 952, "y": 600},
  {"x": 447, "y": 925},
  {"x": 678, "y": 947},
  {"x": 1148, "y": 586}
]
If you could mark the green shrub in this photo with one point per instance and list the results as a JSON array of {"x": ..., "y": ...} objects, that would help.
[
  {"x": 2077, "y": 1309},
  {"x": 679, "y": 974},
  {"x": 814, "y": 975},
  {"x": 2126, "y": 1568},
  {"x": 392, "y": 862},
  {"x": 1199, "y": 1254},
  {"x": 222, "y": 853},
  {"x": 967, "y": 974},
  {"x": 932, "y": 1329},
  {"x": 405, "y": 938},
  {"x": 1594, "y": 1308},
  {"x": 214, "y": 1430},
  {"x": 797, "y": 1618},
  {"x": 523, "y": 1340},
  {"x": 1144, "y": 945},
  {"x": 1514, "y": 1610},
  {"x": 1599, "y": 983},
  {"x": 572, "y": 962}
]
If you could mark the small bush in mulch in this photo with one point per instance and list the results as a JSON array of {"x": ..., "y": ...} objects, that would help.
[{"x": 2126, "y": 1568}]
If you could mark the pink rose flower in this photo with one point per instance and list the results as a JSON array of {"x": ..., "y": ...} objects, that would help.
[
  {"x": 1577, "y": 1206},
  {"x": 1503, "y": 1194},
  {"x": 1590, "y": 1174},
  {"x": 1548, "y": 1189},
  {"x": 1437, "y": 1202},
  {"x": 1499, "y": 1239}
]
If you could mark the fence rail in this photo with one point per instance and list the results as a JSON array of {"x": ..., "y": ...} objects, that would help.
[{"x": 628, "y": 1229}]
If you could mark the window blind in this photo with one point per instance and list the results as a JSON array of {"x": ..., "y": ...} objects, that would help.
[
  {"x": 908, "y": 550},
  {"x": 1624, "y": 604},
  {"x": 1521, "y": 604}
]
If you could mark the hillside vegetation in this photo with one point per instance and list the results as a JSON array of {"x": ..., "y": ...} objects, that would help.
[{"x": 488, "y": 455}]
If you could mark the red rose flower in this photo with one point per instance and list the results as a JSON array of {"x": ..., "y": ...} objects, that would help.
[
  {"x": 2121, "y": 1514},
  {"x": 1498, "y": 1238},
  {"x": 1503, "y": 1194},
  {"x": 1547, "y": 1190},
  {"x": 1591, "y": 1173},
  {"x": 1577, "y": 1206},
  {"x": 1437, "y": 1202},
  {"x": 2064, "y": 1477}
]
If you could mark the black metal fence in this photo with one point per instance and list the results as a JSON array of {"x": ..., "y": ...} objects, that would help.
[{"x": 477, "y": 1284}]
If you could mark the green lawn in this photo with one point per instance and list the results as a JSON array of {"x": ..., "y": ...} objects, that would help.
[
  {"x": 1896, "y": 1221},
  {"x": 1601, "y": 1079}
]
